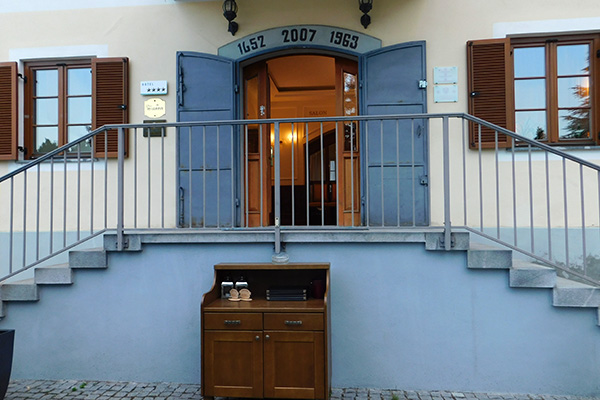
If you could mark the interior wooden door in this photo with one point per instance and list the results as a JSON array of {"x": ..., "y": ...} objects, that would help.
[
  {"x": 233, "y": 364},
  {"x": 257, "y": 147},
  {"x": 346, "y": 86},
  {"x": 294, "y": 365}
]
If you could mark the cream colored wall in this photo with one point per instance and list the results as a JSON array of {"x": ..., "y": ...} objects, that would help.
[{"x": 151, "y": 35}]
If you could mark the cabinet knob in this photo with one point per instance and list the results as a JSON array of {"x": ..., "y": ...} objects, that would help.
[
  {"x": 257, "y": 338},
  {"x": 267, "y": 337}
]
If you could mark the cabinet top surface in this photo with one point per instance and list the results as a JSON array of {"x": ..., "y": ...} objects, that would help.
[
  {"x": 267, "y": 266},
  {"x": 263, "y": 305}
]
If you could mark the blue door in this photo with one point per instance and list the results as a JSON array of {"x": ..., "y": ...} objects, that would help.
[
  {"x": 206, "y": 155},
  {"x": 395, "y": 190}
]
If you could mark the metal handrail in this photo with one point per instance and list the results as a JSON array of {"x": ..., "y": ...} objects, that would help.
[
  {"x": 447, "y": 183},
  {"x": 41, "y": 159}
]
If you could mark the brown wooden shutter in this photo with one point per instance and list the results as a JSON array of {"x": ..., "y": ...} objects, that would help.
[
  {"x": 490, "y": 90},
  {"x": 109, "y": 101},
  {"x": 8, "y": 110}
]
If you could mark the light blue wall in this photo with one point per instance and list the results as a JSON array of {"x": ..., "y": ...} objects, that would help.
[{"x": 402, "y": 317}]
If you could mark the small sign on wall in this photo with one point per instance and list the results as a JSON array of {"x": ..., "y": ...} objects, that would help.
[
  {"x": 155, "y": 108},
  {"x": 150, "y": 88},
  {"x": 445, "y": 75},
  {"x": 445, "y": 93},
  {"x": 445, "y": 88}
]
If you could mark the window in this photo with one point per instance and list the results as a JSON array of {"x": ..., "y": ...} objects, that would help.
[
  {"x": 64, "y": 100},
  {"x": 546, "y": 89},
  {"x": 552, "y": 90},
  {"x": 59, "y": 106}
]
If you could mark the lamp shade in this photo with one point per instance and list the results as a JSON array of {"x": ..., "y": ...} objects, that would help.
[
  {"x": 365, "y": 5},
  {"x": 230, "y": 9}
]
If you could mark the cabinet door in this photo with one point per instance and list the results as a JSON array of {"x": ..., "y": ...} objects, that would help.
[
  {"x": 233, "y": 364},
  {"x": 294, "y": 365}
]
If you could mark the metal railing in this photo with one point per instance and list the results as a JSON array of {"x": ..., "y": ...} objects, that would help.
[
  {"x": 539, "y": 200},
  {"x": 368, "y": 172}
]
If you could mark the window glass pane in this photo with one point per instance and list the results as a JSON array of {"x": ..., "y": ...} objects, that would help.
[
  {"x": 350, "y": 94},
  {"x": 530, "y": 62},
  {"x": 531, "y": 124},
  {"x": 46, "y": 139},
  {"x": 46, "y": 82},
  {"x": 79, "y": 81},
  {"x": 530, "y": 93},
  {"x": 573, "y": 92},
  {"x": 573, "y": 59},
  {"x": 46, "y": 111},
  {"x": 75, "y": 132},
  {"x": 574, "y": 124},
  {"x": 80, "y": 110},
  {"x": 252, "y": 98}
]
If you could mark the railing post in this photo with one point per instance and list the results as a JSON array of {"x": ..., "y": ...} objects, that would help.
[
  {"x": 446, "y": 150},
  {"x": 278, "y": 256},
  {"x": 120, "y": 187}
]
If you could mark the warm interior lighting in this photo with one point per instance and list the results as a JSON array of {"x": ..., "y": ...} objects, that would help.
[{"x": 288, "y": 136}]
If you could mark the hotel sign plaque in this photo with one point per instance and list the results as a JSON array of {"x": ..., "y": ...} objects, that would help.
[{"x": 300, "y": 36}]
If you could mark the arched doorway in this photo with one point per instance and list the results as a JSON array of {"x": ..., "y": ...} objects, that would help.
[
  {"x": 314, "y": 156},
  {"x": 386, "y": 170}
]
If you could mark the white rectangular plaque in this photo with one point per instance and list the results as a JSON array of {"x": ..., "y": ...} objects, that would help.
[
  {"x": 445, "y": 93},
  {"x": 445, "y": 75}
]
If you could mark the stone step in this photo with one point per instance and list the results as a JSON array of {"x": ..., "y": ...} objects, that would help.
[
  {"x": 482, "y": 256},
  {"x": 526, "y": 274},
  {"x": 435, "y": 241},
  {"x": 25, "y": 290},
  {"x": 132, "y": 242},
  {"x": 90, "y": 258},
  {"x": 59, "y": 274},
  {"x": 568, "y": 293}
]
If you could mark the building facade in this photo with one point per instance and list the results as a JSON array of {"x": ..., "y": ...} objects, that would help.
[{"x": 305, "y": 131}]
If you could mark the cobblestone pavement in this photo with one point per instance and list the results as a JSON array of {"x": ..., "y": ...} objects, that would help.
[{"x": 98, "y": 390}]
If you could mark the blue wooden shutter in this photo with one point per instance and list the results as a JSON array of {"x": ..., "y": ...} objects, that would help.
[
  {"x": 206, "y": 161},
  {"x": 395, "y": 156}
]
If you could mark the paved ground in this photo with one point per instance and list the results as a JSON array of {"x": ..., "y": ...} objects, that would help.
[{"x": 95, "y": 390}]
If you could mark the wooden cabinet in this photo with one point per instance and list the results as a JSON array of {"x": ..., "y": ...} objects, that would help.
[{"x": 267, "y": 349}]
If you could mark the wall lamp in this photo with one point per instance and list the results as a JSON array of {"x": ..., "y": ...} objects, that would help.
[
  {"x": 365, "y": 6},
  {"x": 230, "y": 12}
]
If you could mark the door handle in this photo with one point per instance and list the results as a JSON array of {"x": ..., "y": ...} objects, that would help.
[{"x": 262, "y": 110}]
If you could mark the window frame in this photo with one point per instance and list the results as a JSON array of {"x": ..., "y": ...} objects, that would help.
[
  {"x": 552, "y": 109},
  {"x": 63, "y": 66}
]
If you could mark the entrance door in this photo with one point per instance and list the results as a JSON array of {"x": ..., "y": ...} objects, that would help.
[
  {"x": 319, "y": 162},
  {"x": 395, "y": 159},
  {"x": 376, "y": 175},
  {"x": 346, "y": 81},
  {"x": 205, "y": 155},
  {"x": 257, "y": 148}
]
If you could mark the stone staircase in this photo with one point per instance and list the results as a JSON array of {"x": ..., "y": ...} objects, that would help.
[
  {"x": 522, "y": 274},
  {"x": 60, "y": 274}
]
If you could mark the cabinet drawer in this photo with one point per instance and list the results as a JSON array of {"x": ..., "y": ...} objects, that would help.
[
  {"x": 294, "y": 321},
  {"x": 239, "y": 321}
]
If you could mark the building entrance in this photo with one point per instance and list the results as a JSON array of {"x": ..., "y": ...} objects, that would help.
[
  {"x": 372, "y": 172},
  {"x": 313, "y": 156}
]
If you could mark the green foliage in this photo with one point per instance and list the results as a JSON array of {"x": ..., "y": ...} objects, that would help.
[{"x": 47, "y": 146}]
